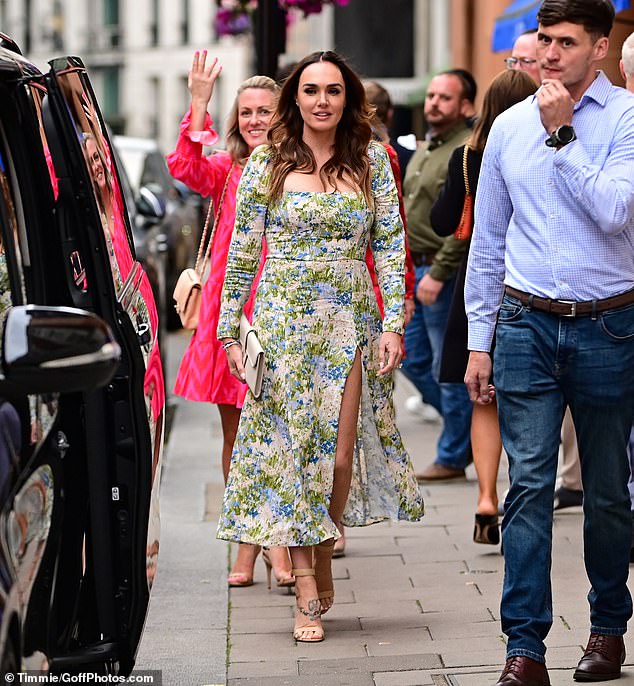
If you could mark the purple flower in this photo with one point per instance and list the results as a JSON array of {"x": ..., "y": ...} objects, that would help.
[
  {"x": 233, "y": 17},
  {"x": 230, "y": 22}
]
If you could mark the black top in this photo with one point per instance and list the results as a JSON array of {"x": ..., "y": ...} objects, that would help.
[
  {"x": 445, "y": 217},
  {"x": 447, "y": 210}
]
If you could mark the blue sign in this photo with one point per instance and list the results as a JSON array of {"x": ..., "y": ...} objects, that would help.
[{"x": 520, "y": 16}]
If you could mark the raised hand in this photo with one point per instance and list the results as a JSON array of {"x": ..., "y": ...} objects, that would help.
[{"x": 202, "y": 78}]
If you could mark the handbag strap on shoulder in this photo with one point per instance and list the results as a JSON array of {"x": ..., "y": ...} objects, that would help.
[
  {"x": 465, "y": 154},
  {"x": 203, "y": 238}
]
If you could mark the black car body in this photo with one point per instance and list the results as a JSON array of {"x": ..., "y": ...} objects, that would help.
[{"x": 78, "y": 549}]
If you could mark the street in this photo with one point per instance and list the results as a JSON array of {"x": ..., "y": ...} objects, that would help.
[{"x": 416, "y": 604}]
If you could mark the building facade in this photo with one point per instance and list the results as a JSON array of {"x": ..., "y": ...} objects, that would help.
[
  {"x": 137, "y": 53},
  {"x": 471, "y": 33}
]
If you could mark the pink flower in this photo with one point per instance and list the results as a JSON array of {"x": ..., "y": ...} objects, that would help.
[{"x": 233, "y": 17}]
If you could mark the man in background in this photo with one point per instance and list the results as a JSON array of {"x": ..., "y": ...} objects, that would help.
[
  {"x": 436, "y": 261},
  {"x": 524, "y": 55}
]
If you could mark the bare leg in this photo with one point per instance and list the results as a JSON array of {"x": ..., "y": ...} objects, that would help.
[
  {"x": 308, "y": 626},
  {"x": 346, "y": 437},
  {"x": 487, "y": 449},
  {"x": 229, "y": 419},
  {"x": 278, "y": 563},
  {"x": 242, "y": 571}
]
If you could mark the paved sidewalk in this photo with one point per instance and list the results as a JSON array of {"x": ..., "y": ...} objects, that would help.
[
  {"x": 186, "y": 629},
  {"x": 416, "y": 604}
]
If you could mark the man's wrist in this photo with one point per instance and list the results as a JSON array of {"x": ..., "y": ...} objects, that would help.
[{"x": 562, "y": 135}]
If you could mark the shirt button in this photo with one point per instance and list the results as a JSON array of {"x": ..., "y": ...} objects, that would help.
[
  {"x": 410, "y": 196},
  {"x": 418, "y": 173}
]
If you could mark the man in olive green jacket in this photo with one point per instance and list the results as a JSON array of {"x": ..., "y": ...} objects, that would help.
[{"x": 436, "y": 260}]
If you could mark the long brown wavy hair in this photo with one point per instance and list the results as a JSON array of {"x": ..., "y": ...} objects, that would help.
[
  {"x": 354, "y": 132},
  {"x": 507, "y": 88}
]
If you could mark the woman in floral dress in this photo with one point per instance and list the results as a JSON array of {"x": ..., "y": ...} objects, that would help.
[
  {"x": 203, "y": 374},
  {"x": 322, "y": 437}
]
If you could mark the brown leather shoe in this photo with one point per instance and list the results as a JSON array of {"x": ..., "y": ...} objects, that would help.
[
  {"x": 602, "y": 660},
  {"x": 438, "y": 472},
  {"x": 522, "y": 671}
]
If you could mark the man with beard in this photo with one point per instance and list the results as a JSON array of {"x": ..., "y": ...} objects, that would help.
[{"x": 436, "y": 261}]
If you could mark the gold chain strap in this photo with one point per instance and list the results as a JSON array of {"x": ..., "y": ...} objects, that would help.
[
  {"x": 201, "y": 247},
  {"x": 464, "y": 169}
]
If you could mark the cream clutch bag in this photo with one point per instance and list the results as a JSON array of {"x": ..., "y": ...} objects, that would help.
[{"x": 252, "y": 356}]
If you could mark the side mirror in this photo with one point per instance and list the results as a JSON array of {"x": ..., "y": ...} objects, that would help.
[
  {"x": 182, "y": 190},
  {"x": 56, "y": 349},
  {"x": 150, "y": 204}
]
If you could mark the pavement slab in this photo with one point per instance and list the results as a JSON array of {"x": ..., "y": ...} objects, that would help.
[{"x": 415, "y": 605}]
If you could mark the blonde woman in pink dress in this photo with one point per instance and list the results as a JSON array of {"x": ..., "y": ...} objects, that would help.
[{"x": 204, "y": 374}]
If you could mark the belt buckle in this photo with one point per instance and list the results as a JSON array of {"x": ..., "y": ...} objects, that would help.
[{"x": 573, "y": 307}]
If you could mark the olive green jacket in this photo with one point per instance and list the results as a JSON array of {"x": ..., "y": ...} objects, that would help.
[{"x": 424, "y": 177}]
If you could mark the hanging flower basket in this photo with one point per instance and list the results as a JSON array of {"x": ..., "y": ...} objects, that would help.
[
  {"x": 235, "y": 17},
  {"x": 309, "y": 6}
]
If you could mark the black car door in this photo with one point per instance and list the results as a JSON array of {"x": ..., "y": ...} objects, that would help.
[{"x": 123, "y": 423}]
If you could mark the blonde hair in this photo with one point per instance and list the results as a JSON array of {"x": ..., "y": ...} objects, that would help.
[{"x": 236, "y": 145}]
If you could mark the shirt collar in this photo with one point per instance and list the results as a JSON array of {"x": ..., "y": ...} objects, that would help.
[
  {"x": 441, "y": 138},
  {"x": 598, "y": 90}
]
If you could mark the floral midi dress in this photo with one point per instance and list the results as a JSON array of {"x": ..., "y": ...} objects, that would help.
[{"x": 315, "y": 307}]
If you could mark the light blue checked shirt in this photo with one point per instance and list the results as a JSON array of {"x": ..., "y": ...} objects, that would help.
[{"x": 554, "y": 223}]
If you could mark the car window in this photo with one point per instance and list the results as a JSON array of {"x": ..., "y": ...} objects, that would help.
[
  {"x": 38, "y": 94},
  {"x": 155, "y": 171},
  {"x": 99, "y": 160},
  {"x": 145, "y": 165},
  {"x": 133, "y": 161}
]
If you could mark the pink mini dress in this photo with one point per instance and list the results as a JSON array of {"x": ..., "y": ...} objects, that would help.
[{"x": 203, "y": 374}]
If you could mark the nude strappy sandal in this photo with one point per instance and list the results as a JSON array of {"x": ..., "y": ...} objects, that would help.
[{"x": 312, "y": 632}]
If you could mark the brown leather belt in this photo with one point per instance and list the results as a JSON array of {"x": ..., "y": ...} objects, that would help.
[
  {"x": 422, "y": 258},
  {"x": 571, "y": 308}
]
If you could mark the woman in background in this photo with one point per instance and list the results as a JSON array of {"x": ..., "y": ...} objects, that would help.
[{"x": 507, "y": 88}]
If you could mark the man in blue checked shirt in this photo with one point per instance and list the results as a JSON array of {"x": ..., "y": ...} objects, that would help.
[{"x": 552, "y": 264}]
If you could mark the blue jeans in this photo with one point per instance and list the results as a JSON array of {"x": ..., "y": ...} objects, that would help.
[
  {"x": 543, "y": 363},
  {"x": 423, "y": 346}
]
